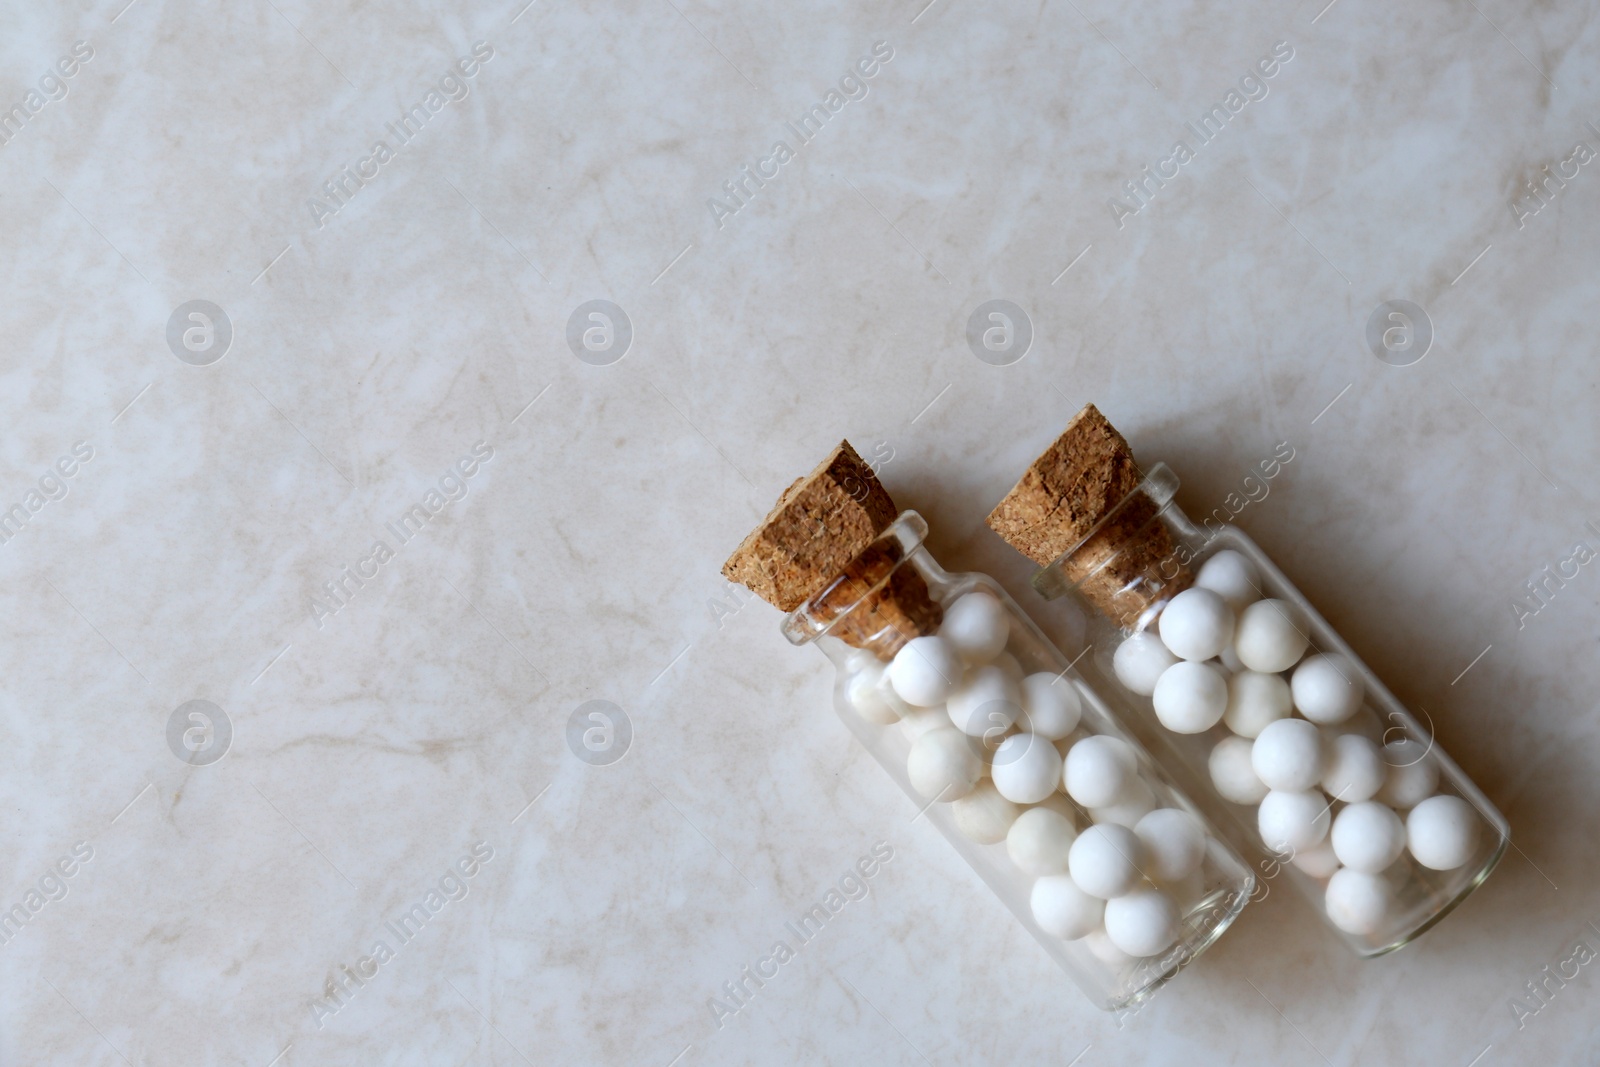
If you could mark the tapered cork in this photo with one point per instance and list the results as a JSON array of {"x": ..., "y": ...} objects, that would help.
[
  {"x": 819, "y": 539},
  {"x": 1128, "y": 564}
]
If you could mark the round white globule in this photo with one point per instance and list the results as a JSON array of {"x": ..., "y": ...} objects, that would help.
[
  {"x": 925, "y": 671},
  {"x": 1140, "y": 660},
  {"x": 1106, "y": 952},
  {"x": 1318, "y": 861},
  {"x": 1098, "y": 769},
  {"x": 1230, "y": 660},
  {"x": 1135, "y": 802},
  {"x": 1144, "y": 922},
  {"x": 1354, "y": 771},
  {"x": 1008, "y": 664},
  {"x": 1270, "y": 636},
  {"x": 1231, "y": 576},
  {"x": 983, "y": 815},
  {"x": 944, "y": 763},
  {"x": 1327, "y": 688},
  {"x": 1232, "y": 772},
  {"x": 870, "y": 695},
  {"x": 858, "y": 659},
  {"x": 986, "y": 703},
  {"x": 885, "y": 689},
  {"x": 1105, "y": 860},
  {"x": 1358, "y": 903},
  {"x": 1051, "y": 705},
  {"x": 1062, "y": 909},
  {"x": 1368, "y": 837},
  {"x": 1255, "y": 701},
  {"x": 1174, "y": 843},
  {"x": 1442, "y": 832},
  {"x": 1059, "y": 803},
  {"x": 977, "y": 626},
  {"x": 1196, "y": 625},
  {"x": 1190, "y": 698},
  {"x": 1410, "y": 774},
  {"x": 1026, "y": 768},
  {"x": 918, "y": 721},
  {"x": 1288, "y": 755},
  {"x": 1039, "y": 841},
  {"x": 1291, "y": 822}
]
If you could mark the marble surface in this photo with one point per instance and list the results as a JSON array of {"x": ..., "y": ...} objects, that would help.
[{"x": 406, "y": 743}]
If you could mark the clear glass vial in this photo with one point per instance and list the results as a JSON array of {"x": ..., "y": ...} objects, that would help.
[
  {"x": 1121, "y": 895},
  {"x": 1346, "y": 793}
]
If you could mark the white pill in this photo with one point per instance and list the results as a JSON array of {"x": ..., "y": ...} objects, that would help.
[
  {"x": 983, "y": 815},
  {"x": 1358, "y": 903},
  {"x": 986, "y": 703},
  {"x": 1135, "y": 802},
  {"x": 1144, "y": 922},
  {"x": 925, "y": 671},
  {"x": 1327, "y": 688},
  {"x": 918, "y": 721},
  {"x": 1368, "y": 836},
  {"x": 1197, "y": 625},
  {"x": 1288, "y": 755},
  {"x": 1026, "y": 768},
  {"x": 1270, "y": 636},
  {"x": 1174, "y": 843},
  {"x": 1292, "y": 822},
  {"x": 1442, "y": 832},
  {"x": 1318, "y": 861},
  {"x": 885, "y": 689},
  {"x": 1410, "y": 774},
  {"x": 1098, "y": 769},
  {"x": 1232, "y": 772},
  {"x": 1140, "y": 660},
  {"x": 944, "y": 763},
  {"x": 977, "y": 626},
  {"x": 1008, "y": 663},
  {"x": 1256, "y": 700},
  {"x": 1057, "y": 802},
  {"x": 1106, "y": 952},
  {"x": 1062, "y": 909},
  {"x": 1190, "y": 698},
  {"x": 1354, "y": 771},
  {"x": 1039, "y": 841},
  {"x": 1105, "y": 860},
  {"x": 1231, "y": 576},
  {"x": 871, "y": 696},
  {"x": 1051, "y": 705}
]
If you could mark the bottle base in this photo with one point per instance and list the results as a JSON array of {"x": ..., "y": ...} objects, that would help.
[
  {"x": 1203, "y": 925},
  {"x": 1437, "y": 917}
]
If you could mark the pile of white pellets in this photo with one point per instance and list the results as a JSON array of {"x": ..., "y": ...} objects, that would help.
[
  {"x": 1009, "y": 751},
  {"x": 1297, "y": 744}
]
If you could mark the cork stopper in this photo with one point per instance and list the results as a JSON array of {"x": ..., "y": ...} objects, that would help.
[
  {"x": 820, "y": 544},
  {"x": 1075, "y": 499}
]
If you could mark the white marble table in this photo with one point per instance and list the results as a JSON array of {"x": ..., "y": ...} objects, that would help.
[{"x": 386, "y": 312}]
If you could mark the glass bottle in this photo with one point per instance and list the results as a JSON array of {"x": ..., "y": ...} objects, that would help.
[
  {"x": 1216, "y": 649},
  {"x": 979, "y": 670}
]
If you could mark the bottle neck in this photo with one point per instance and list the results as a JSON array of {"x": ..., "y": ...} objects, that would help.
[
  {"x": 1129, "y": 564},
  {"x": 879, "y": 601}
]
